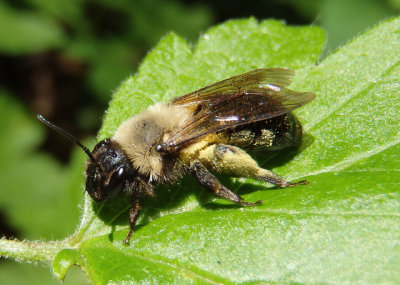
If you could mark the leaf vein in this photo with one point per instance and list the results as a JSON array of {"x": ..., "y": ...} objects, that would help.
[
  {"x": 355, "y": 96},
  {"x": 350, "y": 160}
]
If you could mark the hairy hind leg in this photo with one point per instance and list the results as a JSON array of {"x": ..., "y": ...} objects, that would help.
[{"x": 236, "y": 162}]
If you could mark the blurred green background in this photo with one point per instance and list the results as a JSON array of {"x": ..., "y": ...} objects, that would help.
[{"x": 63, "y": 59}]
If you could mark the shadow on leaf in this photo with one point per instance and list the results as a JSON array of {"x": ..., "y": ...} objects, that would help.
[{"x": 170, "y": 197}]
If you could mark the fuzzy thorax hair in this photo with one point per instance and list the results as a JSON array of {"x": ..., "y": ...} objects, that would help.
[{"x": 140, "y": 135}]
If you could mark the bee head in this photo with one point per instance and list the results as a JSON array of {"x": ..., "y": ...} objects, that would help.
[
  {"x": 108, "y": 168},
  {"x": 107, "y": 172}
]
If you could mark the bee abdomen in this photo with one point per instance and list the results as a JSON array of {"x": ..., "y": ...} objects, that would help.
[
  {"x": 272, "y": 134},
  {"x": 252, "y": 139}
]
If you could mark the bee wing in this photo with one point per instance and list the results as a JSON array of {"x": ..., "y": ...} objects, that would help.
[
  {"x": 254, "y": 96},
  {"x": 224, "y": 89}
]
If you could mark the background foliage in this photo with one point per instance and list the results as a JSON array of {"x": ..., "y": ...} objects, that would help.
[{"x": 64, "y": 58}]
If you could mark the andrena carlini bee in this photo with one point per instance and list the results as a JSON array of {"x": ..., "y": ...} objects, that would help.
[{"x": 203, "y": 131}]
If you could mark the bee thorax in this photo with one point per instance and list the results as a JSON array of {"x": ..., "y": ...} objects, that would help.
[{"x": 140, "y": 135}]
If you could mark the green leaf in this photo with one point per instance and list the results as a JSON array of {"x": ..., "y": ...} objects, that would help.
[
  {"x": 341, "y": 228},
  {"x": 25, "y": 32},
  {"x": 341, "y": 21},
  {"x": 64, "y": 260},
  {"x": 69, "y": 11},
  {"x": 12, "y": 273},
  {"x": 36, "y": 192},
  {"x": 39, "y": 198}
]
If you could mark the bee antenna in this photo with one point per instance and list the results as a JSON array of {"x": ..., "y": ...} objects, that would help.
[{"x": 66, "y": 134}]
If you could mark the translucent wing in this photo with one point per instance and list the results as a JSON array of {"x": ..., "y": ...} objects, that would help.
[
  {"x": 224, "y": 89},
  {"x": 253, "y": 96}
]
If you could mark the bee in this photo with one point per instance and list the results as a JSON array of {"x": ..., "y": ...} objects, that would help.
[{"x": 205, "y": 131}]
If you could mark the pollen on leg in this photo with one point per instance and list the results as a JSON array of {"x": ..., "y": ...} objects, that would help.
[
  {"x": 229, "y": 159},
  {"x": 236, "y": 162}
]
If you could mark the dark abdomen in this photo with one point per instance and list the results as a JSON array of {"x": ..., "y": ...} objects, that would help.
[{"x": 272, "y": 134}]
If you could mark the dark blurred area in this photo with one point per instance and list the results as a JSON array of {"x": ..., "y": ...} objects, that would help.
[{"x": 64, "y": 59}]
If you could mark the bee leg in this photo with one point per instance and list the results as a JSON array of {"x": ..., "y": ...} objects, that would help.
[
  {"x": 133, "y": 213},
  {"x": 209, "y": 181},
  {"x": 236, "y": 162}
]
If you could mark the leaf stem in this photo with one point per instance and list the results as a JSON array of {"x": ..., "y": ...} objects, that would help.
[{"x": 30, "y": 252}]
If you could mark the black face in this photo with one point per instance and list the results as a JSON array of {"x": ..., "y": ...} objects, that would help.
[{"x": 109, "y": 174}]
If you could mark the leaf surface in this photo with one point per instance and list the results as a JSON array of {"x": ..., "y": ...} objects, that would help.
[{"x": 326, "y": 232}]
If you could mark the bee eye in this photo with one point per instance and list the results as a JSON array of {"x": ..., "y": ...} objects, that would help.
[
  {"x": 116, "y": 181},
  {"x": 119, "y": 172},
  {"x": 117, "y": 175}
]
